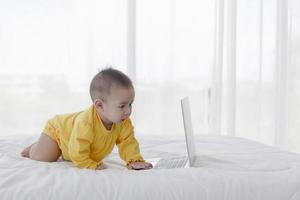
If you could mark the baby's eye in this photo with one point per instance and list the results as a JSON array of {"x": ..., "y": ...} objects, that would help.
[{"x": 122, "y": 106}]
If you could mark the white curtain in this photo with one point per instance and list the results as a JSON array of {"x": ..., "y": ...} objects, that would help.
[
  {"x": 260, "y": 96},
  {"x": 49, "y": 51},
  {"x": 237, "y": 60}
]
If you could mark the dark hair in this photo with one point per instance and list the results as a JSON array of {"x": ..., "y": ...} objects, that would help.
[{"x": 103, "y": 80}]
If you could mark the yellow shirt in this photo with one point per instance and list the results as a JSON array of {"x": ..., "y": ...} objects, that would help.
[{"x": 85, "y": 141}]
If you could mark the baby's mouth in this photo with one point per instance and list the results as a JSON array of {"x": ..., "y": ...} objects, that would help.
[{"x": 123, "y": 119}]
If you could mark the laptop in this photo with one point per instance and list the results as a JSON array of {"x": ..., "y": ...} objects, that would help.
[{"x": 186, "y": 161}]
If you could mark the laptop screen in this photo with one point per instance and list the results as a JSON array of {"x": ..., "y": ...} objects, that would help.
[{"x": 188, "y": 129}]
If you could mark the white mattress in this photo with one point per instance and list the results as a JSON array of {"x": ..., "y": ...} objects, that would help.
[{"x": 230, "y": 168}]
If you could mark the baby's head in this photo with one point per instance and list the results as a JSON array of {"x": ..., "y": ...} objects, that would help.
[{"x": 112, "y": 93}]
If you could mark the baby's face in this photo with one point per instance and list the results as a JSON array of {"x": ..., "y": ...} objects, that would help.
[{"x": 117, "y": 106}]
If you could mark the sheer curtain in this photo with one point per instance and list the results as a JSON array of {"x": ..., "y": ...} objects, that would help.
[
  {"x": 260, "y": 96},
  {"x": 49, "y": 51},
  {"x": 174, "y": 58},
  {"x": 237, "y": 60}
]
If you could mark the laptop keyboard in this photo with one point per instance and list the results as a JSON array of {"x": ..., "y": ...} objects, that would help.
[{"x": 169, "y": 163}]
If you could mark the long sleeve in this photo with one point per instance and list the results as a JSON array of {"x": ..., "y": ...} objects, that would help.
[
  {"x": 79, "y": 146},
  {"x": 127, "y": 144}
]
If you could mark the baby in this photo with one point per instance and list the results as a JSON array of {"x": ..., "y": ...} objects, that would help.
[{"x": 87, "y": 137}]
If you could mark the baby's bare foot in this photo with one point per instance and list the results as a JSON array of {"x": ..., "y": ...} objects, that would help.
[{"x": 25, "y": 152}]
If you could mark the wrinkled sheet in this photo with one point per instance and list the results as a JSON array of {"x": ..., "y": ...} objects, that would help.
[{"x": 228, "y": 168}]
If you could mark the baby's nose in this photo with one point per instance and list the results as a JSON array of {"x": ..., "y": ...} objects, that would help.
[{"x": 127, "y": 112}]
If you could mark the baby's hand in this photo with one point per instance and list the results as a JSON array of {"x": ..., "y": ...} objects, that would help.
[
  {"x": 139, "y": 165},
  {"x": 101, "y": 166}
]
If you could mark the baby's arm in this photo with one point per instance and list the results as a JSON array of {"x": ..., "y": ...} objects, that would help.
[
  {"x": 129, "y": 148},
  {"x": 79, "y": 146}
]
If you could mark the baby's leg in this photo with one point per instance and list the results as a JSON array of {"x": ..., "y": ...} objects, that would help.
[{"x": 46, "y": 149}]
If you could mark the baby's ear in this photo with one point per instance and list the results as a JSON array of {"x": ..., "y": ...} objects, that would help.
[{"x": 98, "y": 103}]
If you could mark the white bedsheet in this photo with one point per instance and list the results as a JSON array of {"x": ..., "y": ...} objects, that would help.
[{"x": 230, "y": 168}]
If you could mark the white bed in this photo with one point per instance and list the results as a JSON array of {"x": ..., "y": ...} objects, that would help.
[{"x": 231, "y": 168}]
